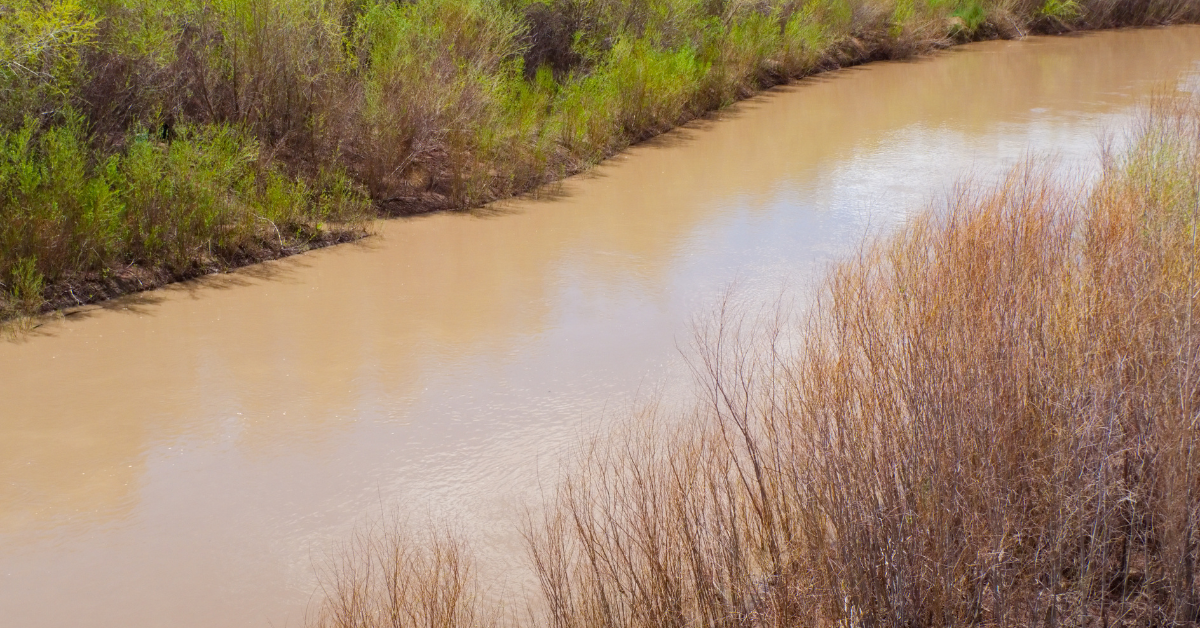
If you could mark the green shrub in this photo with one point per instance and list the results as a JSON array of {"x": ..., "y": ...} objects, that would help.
[
  {"x": 57, "y": 208},
  {"x": 26, "y": 283},
  {"x": 1060, "y": 10},
  {"x": 434, "y": 76},
  {"x": 40, "y": 48},
  {"x": 805, "y": 38},
  {"x": 203, "y": 198},
  {"x": 179, "y": 134},
  {"x": 639, "y": 91}
]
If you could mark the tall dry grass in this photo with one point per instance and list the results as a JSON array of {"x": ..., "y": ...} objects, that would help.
[
  {"x": 988, "y": 418},
  {"x": 388, "y": 575}
]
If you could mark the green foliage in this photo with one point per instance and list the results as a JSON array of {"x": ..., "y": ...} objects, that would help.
[
  {"x": 1062, "y": 10},
  {"x": 25, "y": 293},
  {"x": 902, "y": 14},
  {"x": 640, "y": 89},
  {"x": 805, "y": 37},
  {"x": 973, "y": 15},
  {"x": 966, "y": 16},
  {"x": 176, "y": 134},
  {"x": 40, "y": 48},
  {"x": 197, "y": 191},
  {"x": 436, "y": 76},
  {"x": 202, "y": 198},
  {"x": 749, "y": 56},
  {"x": 56, "y": 208},
  {"x": 144, "y": 29}
]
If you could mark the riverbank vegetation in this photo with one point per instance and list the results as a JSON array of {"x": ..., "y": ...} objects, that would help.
[
  {"x": 988, "y": 418},
  {"x": 143, "y": 141}
]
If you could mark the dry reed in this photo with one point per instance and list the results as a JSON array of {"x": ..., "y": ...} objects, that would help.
[
  {"x": 388, "y": 576},
  {"x": 988, "y": 418}
]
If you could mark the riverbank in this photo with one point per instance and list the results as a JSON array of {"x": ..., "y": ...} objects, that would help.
[
  {"x": 153, "y": 141},
  {"x": 987, "y": 418},
  {"x": 235, "y": 428}
]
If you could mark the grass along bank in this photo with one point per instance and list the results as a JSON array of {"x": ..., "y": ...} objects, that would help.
[
  {"x": 143, "y": 141},
  {"x": 989, "y": 418}
]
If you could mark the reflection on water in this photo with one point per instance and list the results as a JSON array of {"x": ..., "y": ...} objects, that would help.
[{"x": 183, "y": 456}]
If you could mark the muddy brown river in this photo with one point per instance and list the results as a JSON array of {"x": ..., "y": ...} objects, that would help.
[{"x": 188, "y": 456}]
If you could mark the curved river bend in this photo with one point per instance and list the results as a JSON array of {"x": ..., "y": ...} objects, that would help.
[{"x": 185, "y": 456}]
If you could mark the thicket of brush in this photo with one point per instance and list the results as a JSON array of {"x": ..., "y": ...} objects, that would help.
[
  {"x": 177, "y": 137},
  {"x": 989, "y": 418}
]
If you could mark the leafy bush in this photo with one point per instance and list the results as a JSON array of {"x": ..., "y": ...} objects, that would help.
[
  {"x": 172, "y": 134},
  {"x": 204, "y": 198},
  {"x": 41, "y": 44}
]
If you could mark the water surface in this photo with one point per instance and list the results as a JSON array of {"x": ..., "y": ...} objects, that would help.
[{"x": 182, "y": 457}]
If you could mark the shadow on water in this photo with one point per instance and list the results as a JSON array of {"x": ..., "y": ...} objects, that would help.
[{"x": 284, "y": 270}]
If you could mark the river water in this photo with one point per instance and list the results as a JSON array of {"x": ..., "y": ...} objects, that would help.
[{"x": 188, "y": 456}]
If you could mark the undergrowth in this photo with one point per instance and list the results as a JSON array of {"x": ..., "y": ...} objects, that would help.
[{"x": 181, "y": 137}]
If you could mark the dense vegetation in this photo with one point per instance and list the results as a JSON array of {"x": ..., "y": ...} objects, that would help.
[
  {"x": 144, "y": 140},
  {"x": 987, "y": 419}
]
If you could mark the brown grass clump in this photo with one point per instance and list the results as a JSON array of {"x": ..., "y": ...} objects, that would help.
[
  {"x": 388, "y": 576},
  {"x": 988, "y": 418}
]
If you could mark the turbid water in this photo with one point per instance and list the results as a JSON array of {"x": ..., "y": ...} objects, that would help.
[{"x": 184, "y": 457}]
